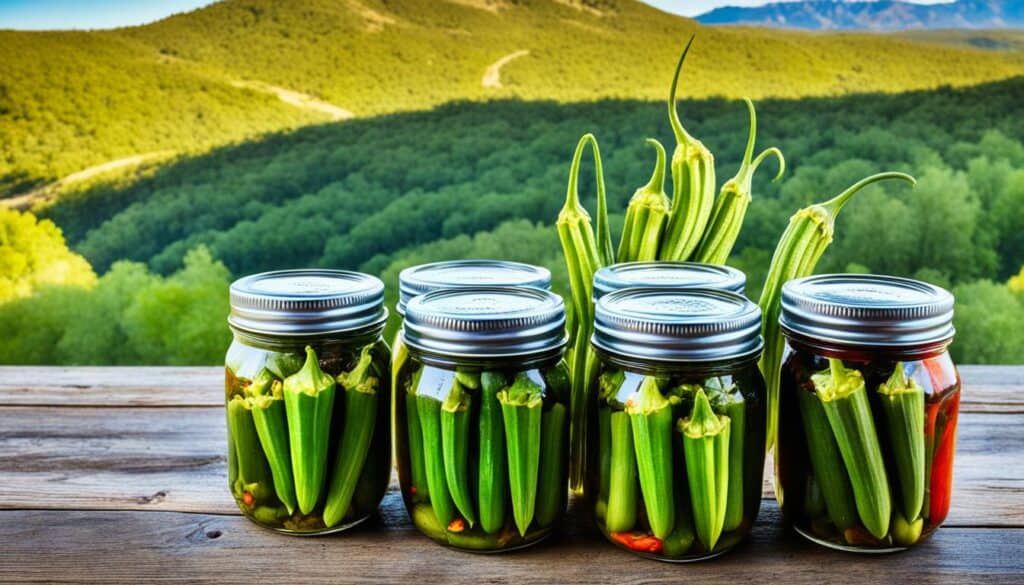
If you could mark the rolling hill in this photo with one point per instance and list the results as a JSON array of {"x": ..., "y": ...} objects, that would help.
[{"x": 70, "y": 101}]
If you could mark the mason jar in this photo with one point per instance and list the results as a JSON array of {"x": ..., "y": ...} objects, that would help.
[
  {"x": 308, "y": 399},
  {"x": 482, "y": 416},
  {"x": 668, "y": 275},
  {"x": 417, "y": 280},
  {"x": 867, "y": 410},
  {"x": 676, "y": 428}
]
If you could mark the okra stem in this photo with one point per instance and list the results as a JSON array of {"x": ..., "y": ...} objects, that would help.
[
  {"x": 309, "y": 402},
  {"x": 455, "y": 418},
  {"x": 706, "y": 446},
  {"x": 651, "y": 417},
  {"x": 902, "y": 400},
  {"x": 826, "y": 462},
  {"x": 492, "y": 481},
  {"x": 521, "y": 411},
  {"x": 360, "y": 396},
  {"x": 271, "y": 421},
  {"x": 551, "y": 490},
  {"x": 845, "y": 399}
]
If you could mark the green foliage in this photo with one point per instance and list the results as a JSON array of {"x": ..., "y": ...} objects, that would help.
[
  {"x": 989, "y": 323},
  {"x": 71, "y": 100},
  {"x": 129, "y": 317},
  {"x": 33, "y": 254}
]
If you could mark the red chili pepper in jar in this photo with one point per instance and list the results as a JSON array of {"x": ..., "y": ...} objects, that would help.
[
  {"x": 638, "y": 541},
  {"x": 941, "y": 487}
]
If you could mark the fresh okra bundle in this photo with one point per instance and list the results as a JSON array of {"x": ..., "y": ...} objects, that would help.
[
  {"x": 486, "y": 455},
  {"x": 280, "y": 433},
  {"x": 670, "y": 463}
]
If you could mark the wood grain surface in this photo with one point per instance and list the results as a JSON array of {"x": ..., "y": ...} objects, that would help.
[{"x": 117, "y": 475}]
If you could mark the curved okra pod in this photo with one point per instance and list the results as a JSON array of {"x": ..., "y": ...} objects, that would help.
[
  {"x": 731, "y": 403},
  {"x": 521, "y": 411},
  {"x": 845, "y": 400},
  {"x": 266, "y": 400},
  {"x": 902, "y": 400},
  {"x": 429, "y": 410},
  {"x": 455, "y": 418},
  {"x": 650, "y": 414},
  {"x": 706, "y": 447},
  {"x": 359, "y": 388},
  {"x": 551, "y": 488},
  {"x": 826, "y": 462},
  {"x": 254, "y": 475},
  {"x": 309, "y": 402},
  {"x": 492, "y": 481},
  {"x": 646, "y": 215}
]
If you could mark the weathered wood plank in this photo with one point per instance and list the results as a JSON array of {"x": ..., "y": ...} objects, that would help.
[
  {"x": 92, "y": 547},
  {"x": 986, "y": 388},
  {"x": 172, "y": 459}
]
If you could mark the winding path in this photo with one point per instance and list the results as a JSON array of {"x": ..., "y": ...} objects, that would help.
[
  {"x": 492, "y": 77},
  {"x": 297, "y": 99}
]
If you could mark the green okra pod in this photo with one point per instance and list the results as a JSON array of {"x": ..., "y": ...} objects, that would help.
[
  {"x": 429, "y": 410},
  {"x": 650, "y": 414},
  {"x": 906, "y": 533},
  {"x": 268, "y": 414},
  {"x": 253, "y": 471},
  {"x": 826, "y": 462},
  {"x": 468, "y": 378},
  {"x": 521, "y": 412},
  {"x": 706, "y": 447},
  {"x": 420, "y": 490},
  {"x": 604, "y": 454},
  {"x": 623, "y": 482},
  {"x": 902, "y": 400},
  {"x": 309, "y": 403},
  {"x": 845, "y": 400},
  {"x": 731, "y": 403},
  {"x": 646, "y": 215},
  {"x": 679, "y": 542},
  {"x": 551, "y": 489},
  {"x": 359, "y": 387},
  {"x": 455, "y": 419},
  {"x": 492, "y": 481}
]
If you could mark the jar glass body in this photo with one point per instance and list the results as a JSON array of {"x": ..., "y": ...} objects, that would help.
[
  {"x": 266, "y": 446},
  {"x": 902, "y": 454},
  {"x": 656, "y": 490},
  {"x": 482, "y": 450}
]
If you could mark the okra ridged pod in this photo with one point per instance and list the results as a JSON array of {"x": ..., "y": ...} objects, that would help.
[
  {"x": 651, "y": 417},
  {"x": 826, "y": 462},
  {"x": 733, "y": 199},
  {"x": 902, "y": 400},
  {"x": 693, "y": 184},
  {"x": 679, "y": 542},
  {"x": 646, "y": 215},
  {"x": 808, "y": 234},
  {"x": 551, "y": 487},
  {"x": 521, "y": 405},
  {"x": 309, "y": 403},
  {"x": 706, "y": 447},
  {"x": 731, "y": 403},
  {"x": 420, "y": 490},
  {"x": 492, "y": 481},
  {"x": 429, "y": 410},
  {"x": 845, "y": 400},
  {"x": 359, "y": 389},
  {"x": 584, "y": 255},
  {"x": 253, "y": 471},
  {"x": 623, "y": 480},
  {"x": 455, "y": 419},
  {"x": 604, "y": 461},
  {"x": 268, "y": 414}
]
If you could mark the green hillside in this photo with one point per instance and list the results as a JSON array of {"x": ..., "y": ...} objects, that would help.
[{"x": 71, "y": 100}]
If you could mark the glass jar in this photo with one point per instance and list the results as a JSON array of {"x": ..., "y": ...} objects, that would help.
[
  {"x": 676, "y": 428},
  {"x": 482, "y": 416},
  {"x": 867, "y": 410},
  {"x": 308, "y": 399},
  {"x": 668, "y": 275},
  {"x": 417, "y": 280}
]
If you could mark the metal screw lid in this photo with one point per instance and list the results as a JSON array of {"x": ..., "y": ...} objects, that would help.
[
  {"x": 867, "y": 310},
  {"x": 677, "y": 325},
  {"x": 668, "y": 275},
  {"x": 416, "y": 280},
  {"x": 306, "y": 302},
  {"x": 484, "y": 323}
]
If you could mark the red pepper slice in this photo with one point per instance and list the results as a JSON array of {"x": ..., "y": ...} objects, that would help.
[
  {"x": 941, "y": 487},
  {"x": 638, "y": 541}
]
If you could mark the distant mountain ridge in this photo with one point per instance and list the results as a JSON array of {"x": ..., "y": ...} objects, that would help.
[{"x": 878, "y": 15}]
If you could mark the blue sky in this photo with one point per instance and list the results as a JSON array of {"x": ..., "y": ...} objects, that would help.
[{"x": 62, "y": 14}]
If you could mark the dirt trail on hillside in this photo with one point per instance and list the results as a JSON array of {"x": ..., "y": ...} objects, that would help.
[
  {"x": 492, "y": 77},
  {"x": 297, "y": 99},
  {"x": 31, "y": 198}
]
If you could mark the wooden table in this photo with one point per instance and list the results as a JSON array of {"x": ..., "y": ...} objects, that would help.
[{"x": 117, "y": 475}]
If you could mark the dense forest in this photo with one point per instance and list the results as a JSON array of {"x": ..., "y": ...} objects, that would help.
[
  {"x": 486, "y": 179},
  {"x": 72, "y": 100}
]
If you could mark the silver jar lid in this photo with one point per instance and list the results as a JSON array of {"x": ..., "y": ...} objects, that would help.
[
  {"x": 867, "y": 310},
  {"x": 416, "y": 280},
  {"x": 677, "y": 325},
  {"x": 668, "y": 275},
  {"x": 485, "y": 323},
  {"x": 306, "y": 302}
]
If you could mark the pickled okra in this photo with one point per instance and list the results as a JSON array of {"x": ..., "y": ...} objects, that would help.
[
  {"x": 706, "y": 449},
  {"x": 651, "y": 417},
  {"x": 266, "y": 402},
  {"x": 521, "y": 412},
  {"x": 309, "y": 402}
]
